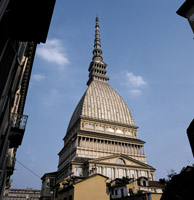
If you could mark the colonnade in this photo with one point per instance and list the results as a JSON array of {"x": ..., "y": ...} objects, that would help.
[
  {"x": 116, "y": 172},
  {"x": 110, "y": 146}
]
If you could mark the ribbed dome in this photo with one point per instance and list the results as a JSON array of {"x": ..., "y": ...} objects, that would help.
[{"x": 102, "y": 102}]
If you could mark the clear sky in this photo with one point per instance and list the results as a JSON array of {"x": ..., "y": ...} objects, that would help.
[{"x": 149, "y": 51}]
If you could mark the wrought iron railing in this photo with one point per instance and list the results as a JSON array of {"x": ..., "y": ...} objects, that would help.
[{"x": 19, "y": 121}]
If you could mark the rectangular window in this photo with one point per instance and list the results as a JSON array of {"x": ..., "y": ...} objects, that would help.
[
  {"x": 144, "y": 183},
  {"x": 105, "y": 171},
  {"x": 143, "y": 173},
  {"x": 75, "y": 171},
  {"x": 121, "y": 174},
  {"x": 113, "y": 173},
  {"x": 132, "y": 173},
  {"x": 109, "y": 172},
  {"x": 122, "y": 193},
  {"x": 70, "y": 197},
  {"x": 52, "y": 182},
  {"x": 99, "y": 170},
  {"x": 79, "y": 171}
]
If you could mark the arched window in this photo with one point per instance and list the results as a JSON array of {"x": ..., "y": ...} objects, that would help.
[
  {"x": 89, "y": 126},
  {"x": 120, "y": 161},
  {"x": 119, "y": 131},
  {"x": 99, "y": 128},
  {"x": 110, "y": 130}
]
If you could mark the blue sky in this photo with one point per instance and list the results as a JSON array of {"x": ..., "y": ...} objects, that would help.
[{"x": 149, "y": 52}]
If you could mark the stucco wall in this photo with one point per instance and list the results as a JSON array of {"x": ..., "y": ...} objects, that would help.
[
  {"x": 93, "y": 188},
  {"x": 133, "y": 186},
  {"x": 156, "y": 196}
]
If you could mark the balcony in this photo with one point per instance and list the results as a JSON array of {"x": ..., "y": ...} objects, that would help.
[
  {"x": 10, "y": 163},
  {"x": 18, "y": 125}
]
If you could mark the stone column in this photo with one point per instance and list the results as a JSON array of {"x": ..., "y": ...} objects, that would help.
[
  {"x": 89, "y": 143},
  {"x": 129, "y": 148},
  {"x": 83, "y": 142},
  {"x": 135, "y": 149},
  {"x": 86, "y": 144},
  {"x": 96, "y": 144},
  {"x": 121, "y": 147},
  {"x": 80, "y": 141},
  {"x": 140, "y": 150},
  {"x": 92, "y": 140},
  {"x": 126, "y": 171}
]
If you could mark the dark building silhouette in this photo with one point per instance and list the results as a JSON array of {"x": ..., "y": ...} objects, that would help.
[
  {"x": 190, "y": 134},
  {"x": 23, "y": 24},
  {"x": 180, "y": 187},
  {"x": 187, "y": 11}
]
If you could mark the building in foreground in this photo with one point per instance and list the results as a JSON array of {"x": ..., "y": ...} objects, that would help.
[
  {"x": 135, "y": 188},
  {"x": 23, "y": 194},
  {"x": 101, "y": 137},
  {"x": 23, "y": 24},
  {"x": 93, "y": 187}
]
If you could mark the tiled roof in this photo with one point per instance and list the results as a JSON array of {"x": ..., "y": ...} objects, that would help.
[
  {"x": 155, "y": 184},
  {"x": 102, "y": 102}
]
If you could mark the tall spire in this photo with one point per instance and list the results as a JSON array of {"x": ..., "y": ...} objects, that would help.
[
  {"x": 97, "y": 68},
  {"x": 97, "y": 52}
]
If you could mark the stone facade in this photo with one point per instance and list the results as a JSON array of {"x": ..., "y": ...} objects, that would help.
[
  {"x": 23, "y": 194},
  {"x": 101, "y": 137},
  {"x": 102, "y": 128}
]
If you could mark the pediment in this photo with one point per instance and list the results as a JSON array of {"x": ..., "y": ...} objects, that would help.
[{"x": 120, "y": 160}]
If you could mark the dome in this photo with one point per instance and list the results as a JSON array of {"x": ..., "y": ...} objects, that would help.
[{"x": 102, "y": 103}]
